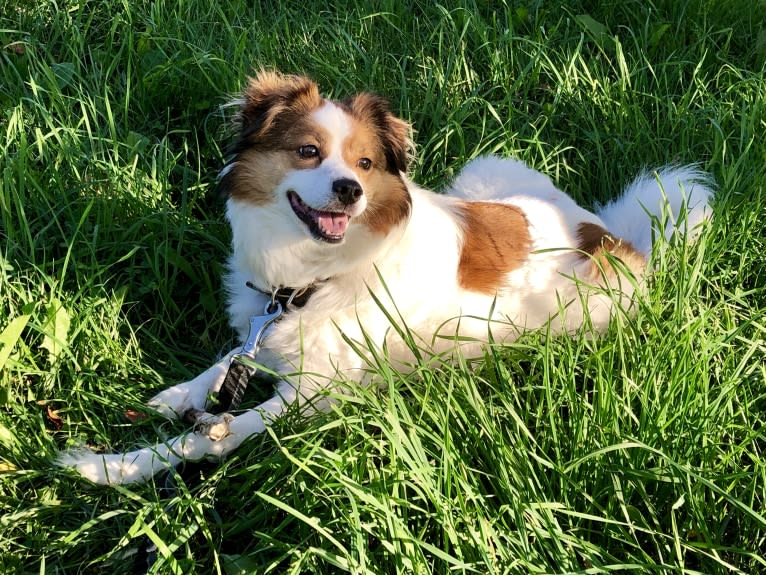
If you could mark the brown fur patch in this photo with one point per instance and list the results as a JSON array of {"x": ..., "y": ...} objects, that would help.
[
  {"x": 392, "y": 132},
  {"x": 378, "y": 135},
  {"x": 260, "y": 167},
  {"x": 388, "y": 202},
  {"x": 495, "y": 242},
  {"x": 271, "y": 101},
  {"x": 256, "y": 174},
  {"x": 596, "y": 242},
  {"x": 274, "y": 121}
]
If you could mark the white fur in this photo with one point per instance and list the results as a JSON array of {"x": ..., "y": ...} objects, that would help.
[
  {"x": 678, "y": 197},
  {"x": 418, "y": 262}
]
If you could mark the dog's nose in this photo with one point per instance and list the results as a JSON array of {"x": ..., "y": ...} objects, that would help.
[{"x": 348, "y": 191}]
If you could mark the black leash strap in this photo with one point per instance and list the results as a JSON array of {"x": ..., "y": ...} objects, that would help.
[{"x": 233, "y": 388}]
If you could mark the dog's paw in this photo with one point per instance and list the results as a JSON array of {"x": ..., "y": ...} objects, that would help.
[
  {"x": 214, "y": 427},
  {"x": 172, "y": 403},
  {"x": 175, "y": 401}
]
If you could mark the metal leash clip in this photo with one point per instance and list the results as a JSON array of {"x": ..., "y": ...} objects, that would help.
[{"x": 258, "y": 324}]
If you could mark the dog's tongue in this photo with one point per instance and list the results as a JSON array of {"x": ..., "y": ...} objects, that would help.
[{"x": 333, "y": 224}]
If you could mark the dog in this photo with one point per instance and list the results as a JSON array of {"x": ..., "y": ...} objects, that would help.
[{"x": 321, "y": 209}]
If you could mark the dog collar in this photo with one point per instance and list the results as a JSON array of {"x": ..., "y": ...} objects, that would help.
[{"x": 287, "y": 297}]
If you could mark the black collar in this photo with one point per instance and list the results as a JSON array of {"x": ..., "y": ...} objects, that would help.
[
  {"x": 284, "y": 295},
  {"x": 289, "y": 297}
]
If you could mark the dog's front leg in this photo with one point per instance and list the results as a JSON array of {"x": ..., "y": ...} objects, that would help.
[
  {"x": 142, "y": 464},
  {"x": 175, "y": 401}
]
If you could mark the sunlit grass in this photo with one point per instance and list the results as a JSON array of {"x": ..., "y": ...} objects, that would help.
[{"x": 639, "y": 451}]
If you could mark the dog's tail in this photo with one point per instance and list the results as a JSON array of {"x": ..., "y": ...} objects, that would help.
[{"x": 677, "y": 198}]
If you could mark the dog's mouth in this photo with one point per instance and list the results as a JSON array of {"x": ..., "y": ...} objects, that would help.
[{"x": 324, "y": 225}]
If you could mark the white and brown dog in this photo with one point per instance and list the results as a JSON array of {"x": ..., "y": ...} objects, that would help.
[{"x": 318, "y": 199}]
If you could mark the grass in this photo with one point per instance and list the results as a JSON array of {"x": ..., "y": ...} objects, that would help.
[{"x": 639, "y": 451}]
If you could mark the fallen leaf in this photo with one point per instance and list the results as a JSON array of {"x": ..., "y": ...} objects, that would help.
[
  {"x": 53, "y": 417},
  {"x": 134, "y": 416},
  {"x": 17, "y": 48}
]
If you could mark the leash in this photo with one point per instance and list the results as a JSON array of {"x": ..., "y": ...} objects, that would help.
[{"x": 241, "y": 370}]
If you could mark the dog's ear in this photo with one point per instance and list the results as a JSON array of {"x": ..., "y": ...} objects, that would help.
[
  {"x": 394, "y": 133},
  {"x": 270, "y": 94}
]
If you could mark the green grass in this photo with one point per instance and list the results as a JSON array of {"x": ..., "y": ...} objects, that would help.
[{"x": 640, "y": 451}]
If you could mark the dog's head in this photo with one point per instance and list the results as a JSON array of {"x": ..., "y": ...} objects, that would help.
[{"x": 320, "y": 168}]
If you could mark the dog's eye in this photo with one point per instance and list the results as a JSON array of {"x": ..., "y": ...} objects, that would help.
[
  {"x": 364, "y": 163},
  {"x": 308, "y": 151}
]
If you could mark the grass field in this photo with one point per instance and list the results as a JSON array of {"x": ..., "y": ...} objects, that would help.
[{"x": 642, "y": 451}]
